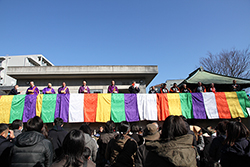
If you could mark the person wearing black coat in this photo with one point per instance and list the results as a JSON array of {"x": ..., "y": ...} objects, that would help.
[
  {"x": 57, "y": 135},
  {"x": 5, "y": 144},
  {"x": 31, "y": 147},
  {"x": 236, "y": 151},
  {"x": 14, "y": 91},
  {"x": 133, "y": 88}
]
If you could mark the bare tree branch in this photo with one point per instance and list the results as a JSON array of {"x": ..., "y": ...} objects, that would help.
[{"x": 235, "y": 63}]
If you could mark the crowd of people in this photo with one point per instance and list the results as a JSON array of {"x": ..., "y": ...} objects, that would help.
[
  {"x": 199, "y": 88},
  {"x": 176, "y": 143}
]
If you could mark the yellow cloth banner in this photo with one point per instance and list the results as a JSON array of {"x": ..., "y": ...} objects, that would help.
[
  {"x": 234, "y": 105},
  {"x": 103, "y": 110},
  {"x": 5, "y": 103},
  {"x": 174, "y": 104},
  {"x": 39, "y": 102}
]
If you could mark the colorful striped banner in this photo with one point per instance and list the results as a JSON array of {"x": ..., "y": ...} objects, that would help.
[{"x": 120, "y": 107}]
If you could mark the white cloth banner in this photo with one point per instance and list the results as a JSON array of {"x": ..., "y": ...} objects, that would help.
[
  {"x": 210, "y": 105},
  {"x": 76, "y": 108},
  {"x": 248, "y": 110},
  {"x": 147, "y": 106}
]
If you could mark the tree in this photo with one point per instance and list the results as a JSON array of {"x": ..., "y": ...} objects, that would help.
[{"x": 234, "y": 63}]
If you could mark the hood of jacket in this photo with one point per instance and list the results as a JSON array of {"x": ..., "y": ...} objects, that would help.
[
  {"x": 179, "y": 152},
  {"x": 29, "y": 138},
  {"x": 87, "y": 138},
  {"x": 106, "y": 137}
]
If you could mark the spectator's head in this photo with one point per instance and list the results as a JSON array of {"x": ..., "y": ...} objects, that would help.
[
  {"x": 58, "y": 122},
  {"x": 4, "y": 129},
  {"x": 73, "y": 148},
  {"x": 135, "y": 128},
  {"x": 17, "y": 124},
  {"x": 199, "y": 83},
  {"x": 234, "y": 82},
  {"x": 35, "y": 124},
  {"x": 124, "y": 127},
  {"x": 212, "y": 84},
  {"x": 16, "y": 87},
  {"x": 152, "y": 88},
  {"x": 63, "y": 84},
  {"x": 85, "y": 129},
  {"x": 45, "y": 131},
  {"x": 49, "y": 85},
  {"x": 110, "y": 127},
  {"x": 164, "y": 85},
  {"x": 221, "y": 127},
  {"x": 173, "y": 127},
  {"x": 184, "y": 86},
  {"x": 151, "y": 132},
  {"x": 238, "y": 119},
  {"x": 235, "y": 131},
  {"x": 101, "y": 129},
  {"x": 32, "y": 83},
  {"x": 175, "y": 85},
  {"x": 113, "y": 82},
  {"x": 84, "y": 83}
]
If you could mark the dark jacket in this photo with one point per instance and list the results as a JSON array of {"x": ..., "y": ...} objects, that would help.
[
  {"x": 216, "y": 146},
  {"x": 61, "y": 163},
  {"x": 141, "y": 156},
  {"x": 5, "y": 147},
  {"x": 121, "y": 151},
  {"x": 138, "y": 138},
  {"x": 236, "y": 155},
  {"x": 132, "y": 89},
  {"x": 103, "y": 142},
  {"x": 178, "y": 152},
  {"x": 14, "y": 92},
  {"x": 32, "y": 149},
  {"x": 57, "y": 135}
]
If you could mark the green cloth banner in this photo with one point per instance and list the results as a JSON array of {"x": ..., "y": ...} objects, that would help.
[
  {"x": 48, "y": 107},
  {"x": 17, "y": 106},
  {"x": 244, "y": 102},
  {"x": 118, "y": 108},
  {"x": 186, "y": 105}
]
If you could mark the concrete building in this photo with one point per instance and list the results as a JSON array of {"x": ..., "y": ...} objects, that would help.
[
  {"x": 98, "y": 77},
  {"x": 7, "y": 82}
]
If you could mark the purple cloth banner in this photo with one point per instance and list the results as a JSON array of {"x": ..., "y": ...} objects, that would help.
[
  {"x": 131, "y": 109},
  {"x": 62, "y": 106},
  {"x": 29, "y": 110},
  {"x": 199, "y": 111}
]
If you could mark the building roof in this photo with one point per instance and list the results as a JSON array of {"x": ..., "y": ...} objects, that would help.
[
  {"x": 146, "y": 73},
  {"x": 206, "y": 77}
]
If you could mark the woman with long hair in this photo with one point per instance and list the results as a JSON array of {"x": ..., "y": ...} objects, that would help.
[
  {"x": 236, "y": 151},
  {"x": 73, "y": 151},
  {"x": 174, "y": 147}
]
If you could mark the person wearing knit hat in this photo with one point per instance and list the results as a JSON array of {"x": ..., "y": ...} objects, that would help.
[{"x": 151, "y": 132}]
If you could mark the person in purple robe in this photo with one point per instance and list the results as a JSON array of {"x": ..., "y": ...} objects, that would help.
[
  {"x": 84, "y": 88},
  {"x": 32, "y": 90},
  {"x": 112, "y": 88},
  {"x": 63, "y": 89},
  {"x": 49, "y": 89}
]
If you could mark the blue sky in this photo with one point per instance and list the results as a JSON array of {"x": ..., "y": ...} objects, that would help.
[{"x": 171, "y": 34}]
